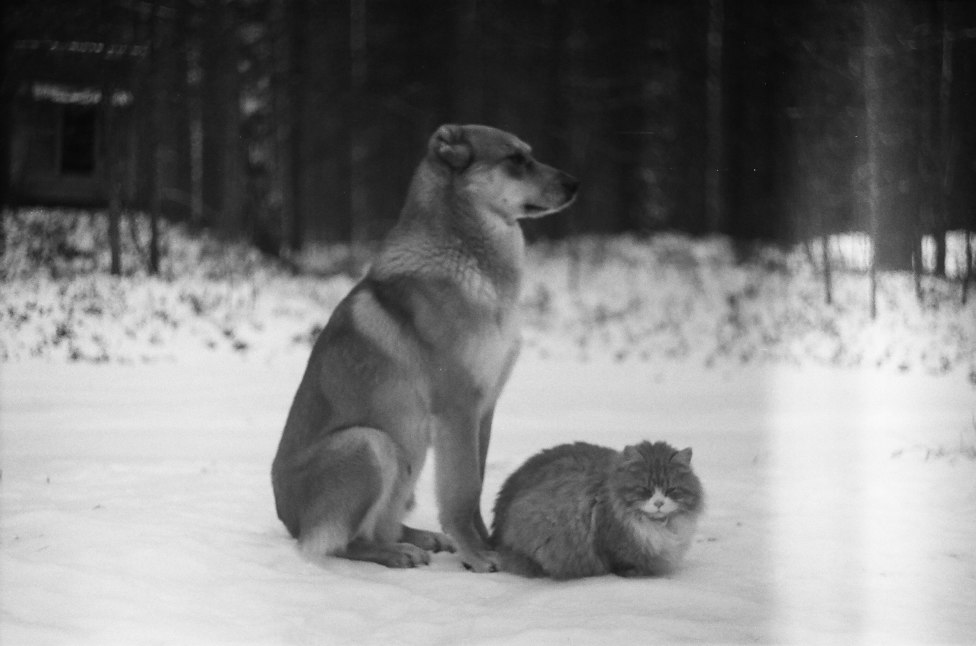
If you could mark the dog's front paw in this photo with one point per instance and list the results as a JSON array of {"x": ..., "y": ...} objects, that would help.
[
  {"x": 430, "y": 541},
  {"x": 481, "y": 561}
]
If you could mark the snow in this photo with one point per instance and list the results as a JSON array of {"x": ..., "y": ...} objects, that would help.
[
  {"x": 139, "y": 417},
  {"x": 659, "y": 300},
  {"x": 136, "y": 508}
]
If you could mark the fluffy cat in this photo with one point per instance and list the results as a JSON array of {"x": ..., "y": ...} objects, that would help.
[{"x": 580, "y": 510}]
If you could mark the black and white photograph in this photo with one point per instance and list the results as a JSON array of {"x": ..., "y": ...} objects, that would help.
[{"x": 487, "y": 322}]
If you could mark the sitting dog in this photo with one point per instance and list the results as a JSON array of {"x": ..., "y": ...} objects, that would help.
[{"x": 417, "y": 355}]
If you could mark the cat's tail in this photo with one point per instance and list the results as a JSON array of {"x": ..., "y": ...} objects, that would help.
[
  {"x": 520, "y": 564},
  {"x": 511, "y": 561}
]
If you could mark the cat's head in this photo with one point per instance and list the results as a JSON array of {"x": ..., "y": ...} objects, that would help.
[{"x": 657, "y": 481}]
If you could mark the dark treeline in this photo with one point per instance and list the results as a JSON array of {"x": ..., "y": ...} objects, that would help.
[{"x": 295, "y": 120}]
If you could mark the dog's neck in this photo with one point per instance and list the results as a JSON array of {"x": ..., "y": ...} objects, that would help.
[{"x": 439, "y": 236}]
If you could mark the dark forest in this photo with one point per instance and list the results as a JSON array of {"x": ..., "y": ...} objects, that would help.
[{"x": 285, "y": 122}]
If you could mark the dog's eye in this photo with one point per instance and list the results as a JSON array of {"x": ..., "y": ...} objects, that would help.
[{"x": 519, "y": 159}]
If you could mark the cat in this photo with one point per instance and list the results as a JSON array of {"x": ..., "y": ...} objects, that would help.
[{"x": 579, "y": 510}]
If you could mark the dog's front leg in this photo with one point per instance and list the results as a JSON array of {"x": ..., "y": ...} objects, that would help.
[
  {"x": 484, "y": 439},
  {"x": 459, "y": 474}
]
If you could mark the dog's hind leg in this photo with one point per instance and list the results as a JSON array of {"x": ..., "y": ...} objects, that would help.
[{"x": 354, "y": 479}]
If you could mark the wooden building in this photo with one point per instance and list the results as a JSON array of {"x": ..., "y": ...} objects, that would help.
[{"x": 72, "y": 123}]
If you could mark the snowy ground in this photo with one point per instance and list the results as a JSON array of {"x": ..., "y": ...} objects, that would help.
[
  {"x": 139, "y": 417},
  {"x": 136, "y": 508}
]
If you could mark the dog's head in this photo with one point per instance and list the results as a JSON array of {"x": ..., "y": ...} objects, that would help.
[{"x": 496, "y": 172}]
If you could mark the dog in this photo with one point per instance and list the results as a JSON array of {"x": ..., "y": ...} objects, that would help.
[{"x": 416, "y": 356}]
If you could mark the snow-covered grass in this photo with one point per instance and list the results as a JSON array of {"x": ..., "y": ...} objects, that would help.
[
  {"x": 139, "y": 417},
  {"x": 664, "y": 300},
  {"x": 212, "y": 296},
  {"x": 674, "y": 299}
]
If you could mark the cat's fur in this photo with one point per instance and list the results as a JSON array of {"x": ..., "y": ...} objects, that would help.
[{"x": 579, "y": 510}]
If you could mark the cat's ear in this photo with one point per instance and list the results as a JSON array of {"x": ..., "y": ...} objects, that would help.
[
  {"x": 631, "y": 454},
  {"x": 682, "y": 457}
]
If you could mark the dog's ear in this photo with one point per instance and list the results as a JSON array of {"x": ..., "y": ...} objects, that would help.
[{"x": 451, "y": 146}]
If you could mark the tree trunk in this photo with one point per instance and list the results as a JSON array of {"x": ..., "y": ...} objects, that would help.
[
  {"x": 296, "y": 110},
  {"x": 555, "y": 133},
  {"x": 715, "y": 133},
  {"x": 358, "y": 148},
  {"x": 928, "y": 218},
  {"x": 917, "y": 267},
  {"x": 694, "y": 114},
  {"x": 828, "y": 275},
  {"x": 221, "y": 154},
  {"x": 194, "y": 107},
  {"x": 967, "y": 275},
  {"x": 112, "y": 183},
  {"x": 627, "y": 119},
  {"x": 156, "y": 139},
  {"x": 757, "y": 69},
  {"x": 872, "y": 100},
  {"x": 892, "y": 131},
  {"x": 177, "y": 197},
  {"x": 468, "y": 73},
  {"x": 261, "y": 209},
  {"x": 6, "y": 101},
  {"x": 109, "y": 140},
  {"x": 945, "y": 143}
]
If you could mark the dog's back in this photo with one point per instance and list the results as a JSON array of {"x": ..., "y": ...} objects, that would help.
[{"x": 417, "y": 352}]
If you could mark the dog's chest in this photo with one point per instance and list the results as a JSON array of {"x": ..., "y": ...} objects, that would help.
[{"x": 485, "y": 353}]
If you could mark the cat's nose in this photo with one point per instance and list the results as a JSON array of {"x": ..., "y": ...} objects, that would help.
[{"x": 658, "y": 503}]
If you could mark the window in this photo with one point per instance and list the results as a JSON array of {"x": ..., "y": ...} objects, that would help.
[{"x": 78, "y": 140}]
